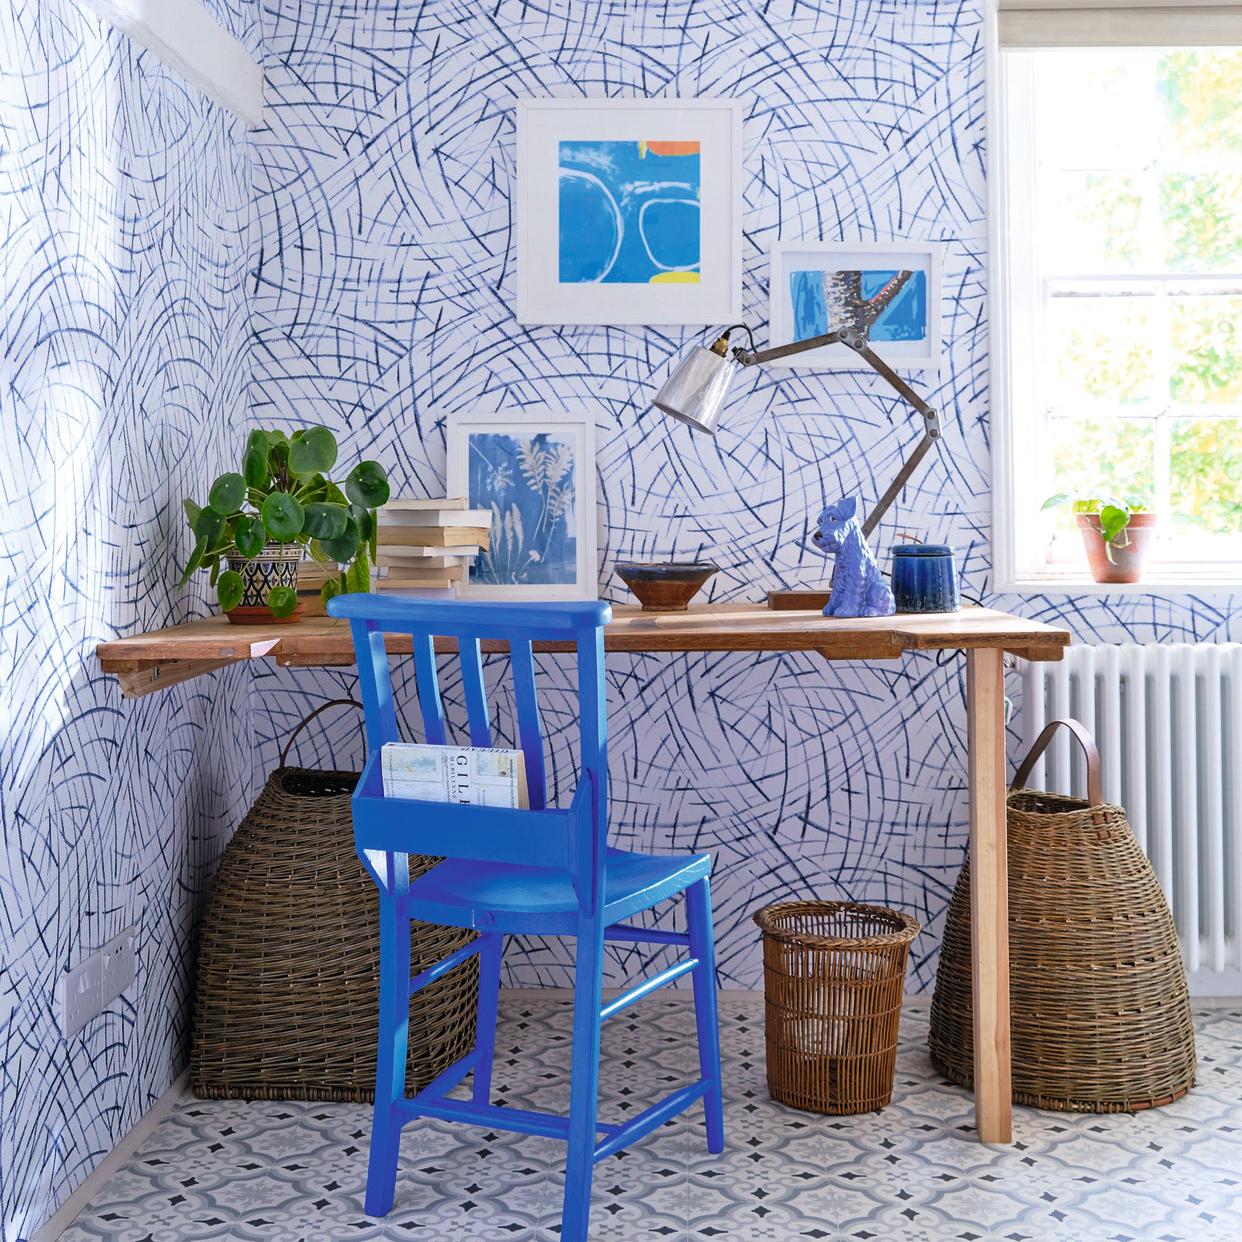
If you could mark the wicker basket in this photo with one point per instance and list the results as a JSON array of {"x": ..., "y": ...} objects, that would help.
[
  {"x": 288, "y": 987},
  {"x": 833, "y": 977},
  {"x": 1100, "y": 1010}
]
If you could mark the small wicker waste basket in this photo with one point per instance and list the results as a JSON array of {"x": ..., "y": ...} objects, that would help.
[
  {"x": 1100, "y": 1010},
  {"x": 833, "y": 977},
  {"x": 287, "y": 997}
]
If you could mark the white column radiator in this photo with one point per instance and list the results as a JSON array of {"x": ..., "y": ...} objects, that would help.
[{"x": 1168, "y": 720}]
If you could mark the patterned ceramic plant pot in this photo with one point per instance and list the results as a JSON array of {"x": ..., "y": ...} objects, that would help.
[{"x": 276, "y": 565}]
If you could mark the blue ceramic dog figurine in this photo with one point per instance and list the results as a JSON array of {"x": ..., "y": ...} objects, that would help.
[{"x": 858, "y": 590}]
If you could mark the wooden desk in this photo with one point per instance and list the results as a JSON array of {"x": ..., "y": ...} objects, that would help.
[{"x": 150, "y": 662}]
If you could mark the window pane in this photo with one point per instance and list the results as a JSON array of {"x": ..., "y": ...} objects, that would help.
[
  {"x": 1102, "y": 345},
  {"x": 1097, "y": 218},
  {"x": 1206, "y": 344},
  {"x": 1205, "y": 468},
  {"x": 1202, "y": 218},
  {"x": 1200, "y": 92},
  {"x": 1111, "y": 455},
  {"x": 1097, "y": 108}
]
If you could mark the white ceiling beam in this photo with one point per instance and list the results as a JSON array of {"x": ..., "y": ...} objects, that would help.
[{"x": 187, "y": 38}]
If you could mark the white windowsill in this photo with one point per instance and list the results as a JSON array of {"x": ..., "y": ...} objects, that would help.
[{"x": 1157, "y": 583}]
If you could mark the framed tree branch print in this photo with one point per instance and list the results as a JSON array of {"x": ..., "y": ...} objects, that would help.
[{"x": 890, "y": 291}]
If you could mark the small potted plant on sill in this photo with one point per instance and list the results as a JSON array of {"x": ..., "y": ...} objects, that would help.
[
  {"x": 258, "y": 524},
  {"x": 1115, "y": 531}
]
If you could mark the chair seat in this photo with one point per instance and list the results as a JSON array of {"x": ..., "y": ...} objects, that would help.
[{"x": 491, "y": 896}]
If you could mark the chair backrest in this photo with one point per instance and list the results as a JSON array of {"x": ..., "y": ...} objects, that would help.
[{"x": 470, "y": 626}]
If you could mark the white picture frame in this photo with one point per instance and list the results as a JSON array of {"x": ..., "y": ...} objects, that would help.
[
  {"x": 523, "y": 555},
  {"x": 579, "y": 151},
  {"x": 800, "y": 260}
]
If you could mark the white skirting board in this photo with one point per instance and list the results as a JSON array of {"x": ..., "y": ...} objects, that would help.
[{"x": 81, "y": 1198}]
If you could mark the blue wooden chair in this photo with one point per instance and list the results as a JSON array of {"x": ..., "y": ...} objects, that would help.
[{"x": 540, "y": 871}]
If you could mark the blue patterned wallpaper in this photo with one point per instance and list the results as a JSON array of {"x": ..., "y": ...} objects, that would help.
[
  {"x": 383, "y": 297},
  {"x": 167, "y": 280},
  {"x": 124, "y": 242}
]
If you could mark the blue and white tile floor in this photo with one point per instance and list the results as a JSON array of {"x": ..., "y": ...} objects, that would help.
[{"x": 912, "y": 1173}]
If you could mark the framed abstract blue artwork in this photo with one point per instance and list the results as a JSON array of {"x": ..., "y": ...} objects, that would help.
[
  {"x": 536, "y": 476},
  {"x": 890, "y": 291},
  {"x": 628, "y": 211}
]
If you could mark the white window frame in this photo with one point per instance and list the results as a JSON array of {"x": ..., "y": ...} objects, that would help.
[{"x": 1021, "y": 539}]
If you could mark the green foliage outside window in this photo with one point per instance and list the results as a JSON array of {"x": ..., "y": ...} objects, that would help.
[{"x": 1205, "y": 469}]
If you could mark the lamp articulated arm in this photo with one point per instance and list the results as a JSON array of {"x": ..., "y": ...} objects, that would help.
[{"x": 857, "y": 341}]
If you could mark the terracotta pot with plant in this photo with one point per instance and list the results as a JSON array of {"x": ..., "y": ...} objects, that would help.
[
  {"x": 1116, "y": 532},
  {"x": 260, "y": 523}
]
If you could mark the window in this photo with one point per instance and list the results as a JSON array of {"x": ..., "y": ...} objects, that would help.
[{"x": 1122, "y": 290}]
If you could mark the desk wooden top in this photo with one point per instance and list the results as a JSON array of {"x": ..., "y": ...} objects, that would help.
[{"x": 149, "y": 662}]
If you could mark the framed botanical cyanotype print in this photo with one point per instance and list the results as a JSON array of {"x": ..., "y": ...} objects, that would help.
[
  {"x": 536, "y": 475},
  {"x": 628, "y": 211},
  {"x": 890, "y": 291}
]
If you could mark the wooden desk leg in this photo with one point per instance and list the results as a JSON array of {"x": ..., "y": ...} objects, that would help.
[{"x": 989, "y": 894}]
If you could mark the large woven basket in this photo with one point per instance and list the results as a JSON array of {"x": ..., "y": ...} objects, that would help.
[
  {"x": 833, "y": 977},
  {"x": 287, "y": 994},
  {"x": 1100, "y": 1010}
]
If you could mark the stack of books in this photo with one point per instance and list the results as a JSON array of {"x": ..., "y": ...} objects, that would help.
[
  {"x": 311, "y": 577},
  {"x": 425, "y": 547}
]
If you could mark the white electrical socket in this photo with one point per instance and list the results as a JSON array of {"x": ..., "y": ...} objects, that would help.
[
  {"x": 80, "y": 995},
  {"x": 93, "y": 984},
  {"x": 116, "y": 966}
]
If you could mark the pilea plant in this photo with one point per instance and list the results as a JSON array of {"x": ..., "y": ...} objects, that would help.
[{"x": 283, "y": 495}]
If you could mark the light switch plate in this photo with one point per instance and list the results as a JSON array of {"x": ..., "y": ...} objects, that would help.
[
  {"x": 117, "y": 966},
  {"x": 80, "y": 995}
]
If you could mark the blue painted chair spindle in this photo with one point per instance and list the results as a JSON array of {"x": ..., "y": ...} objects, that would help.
[{"x": 539, "y": 871}]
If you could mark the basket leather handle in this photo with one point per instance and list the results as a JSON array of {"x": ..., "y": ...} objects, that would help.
[
  {"x": 323, "y": 707},
  {"x": 1095, "y": 786}
]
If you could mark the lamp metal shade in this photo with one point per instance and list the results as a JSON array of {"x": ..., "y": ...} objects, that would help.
[{"x": 695, "y": 392}]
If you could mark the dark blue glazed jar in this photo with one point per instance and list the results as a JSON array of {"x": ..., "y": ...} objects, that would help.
[{"x": 925, "y": 578}]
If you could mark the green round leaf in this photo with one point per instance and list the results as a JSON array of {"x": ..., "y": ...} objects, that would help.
[
  {"x": 250, "y": 535},
  {"x": 365, "y": 519},
  {"x": 195, "y": 561},
  {"x": 325, "y": 521},
  {"x": 229, "y": 589},
  {"x": 254, "y": 467},
  {"x": 367, "y": 485},
  {"x": 259, "y": 441},
  {"x": 358, "y": 575},
  {"x": 345, "y": 547},
  {"x": 208, "y": 525},
  {"x": 191, "y": 510},
  {"x": 1113, "y": 521},
  {"x": 228, "y": 493},
  {"x": 282, "y": 600},
  {"x": 330, "y": 590},
  {"x": 312, "y": 451},
  {"x": 283, "y": 516}
]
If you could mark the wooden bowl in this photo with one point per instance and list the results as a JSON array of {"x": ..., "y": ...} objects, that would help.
[{"x": 665, "y": 586}]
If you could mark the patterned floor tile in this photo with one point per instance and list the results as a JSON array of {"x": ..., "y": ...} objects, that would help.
[{"x": 258, "y": 1171}]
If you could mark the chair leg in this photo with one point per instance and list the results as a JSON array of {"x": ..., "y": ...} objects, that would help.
[
  {"x": 394, "y": 1028},
  {"x": 584, "y": 1083},
  {"x": 703, "y": 946},
  {"x": 491, "y": 956}
]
